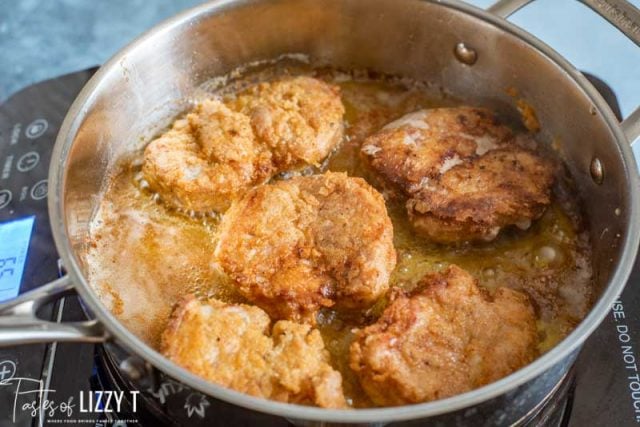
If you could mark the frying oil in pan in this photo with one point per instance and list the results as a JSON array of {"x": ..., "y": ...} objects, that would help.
[{"x": 143, "y": 257}]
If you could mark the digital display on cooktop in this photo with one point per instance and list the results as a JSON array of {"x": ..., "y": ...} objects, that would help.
[{"x": 15, "y": 236}]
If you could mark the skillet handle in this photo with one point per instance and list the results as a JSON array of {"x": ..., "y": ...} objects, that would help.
[
  {"x": 622, "y": 15},
  {"x": 19, "y": 323}
]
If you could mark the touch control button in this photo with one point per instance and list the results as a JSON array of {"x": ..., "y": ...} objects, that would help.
[
  {"x": 5, "y": 198},
  {"x": 7, "y": 370},
  {"x": 39, "y": 190},
  {"x": 36, "y": 128},
  {"x": 28, "y": 161}
]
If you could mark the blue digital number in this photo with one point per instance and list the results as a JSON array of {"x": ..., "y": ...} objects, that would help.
[{"x": 14, "y": 243}]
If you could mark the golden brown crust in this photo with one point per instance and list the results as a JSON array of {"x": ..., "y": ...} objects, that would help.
[
  {"x": 475, "y": 200},
  {"x": 465, "y": 175},
  {"x": 287, "y": 114},
  {"x": 220, "y": 342},
  {"x": 220, "y": 150},
  {"x": 234, "y": 345},
  {"x": 206, "y": 160},
  {"x": 308, "y": 242},
  {"x": 445, "y": 339}
]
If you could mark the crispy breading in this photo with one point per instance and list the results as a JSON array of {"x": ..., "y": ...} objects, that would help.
[
  {"x": 296, "y": 245},
  {"x": 234, "y": 345},
  {"x": 220, "y": 150},
  {"x": 446, "y": 338},
  {"x": 466, "y": 176},
  {"x": 298, "y": 118},
  {"x": 475, "y": 200},
  {"x": 206, "y": 160}
]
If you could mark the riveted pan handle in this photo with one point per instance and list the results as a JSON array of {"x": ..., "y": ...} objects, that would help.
[
  {"x": 19, "y": 323},
  {"x": 622, "y": 15}
]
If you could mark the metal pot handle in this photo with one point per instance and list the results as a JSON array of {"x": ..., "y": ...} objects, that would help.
[
  {"x": 19, "y": 323},
  {"x": 622, "y": 15}
]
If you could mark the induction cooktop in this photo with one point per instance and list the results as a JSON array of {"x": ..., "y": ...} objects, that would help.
[{"x": 41, "y": 384}]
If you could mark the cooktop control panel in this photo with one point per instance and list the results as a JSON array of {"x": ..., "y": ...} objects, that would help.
[{"x": 29, "y": 123}]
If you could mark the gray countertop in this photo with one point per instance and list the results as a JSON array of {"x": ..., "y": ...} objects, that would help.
[{"x": 40, "y": 39}]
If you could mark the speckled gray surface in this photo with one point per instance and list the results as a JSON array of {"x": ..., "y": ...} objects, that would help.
[{"x": 40, "y": 39}]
